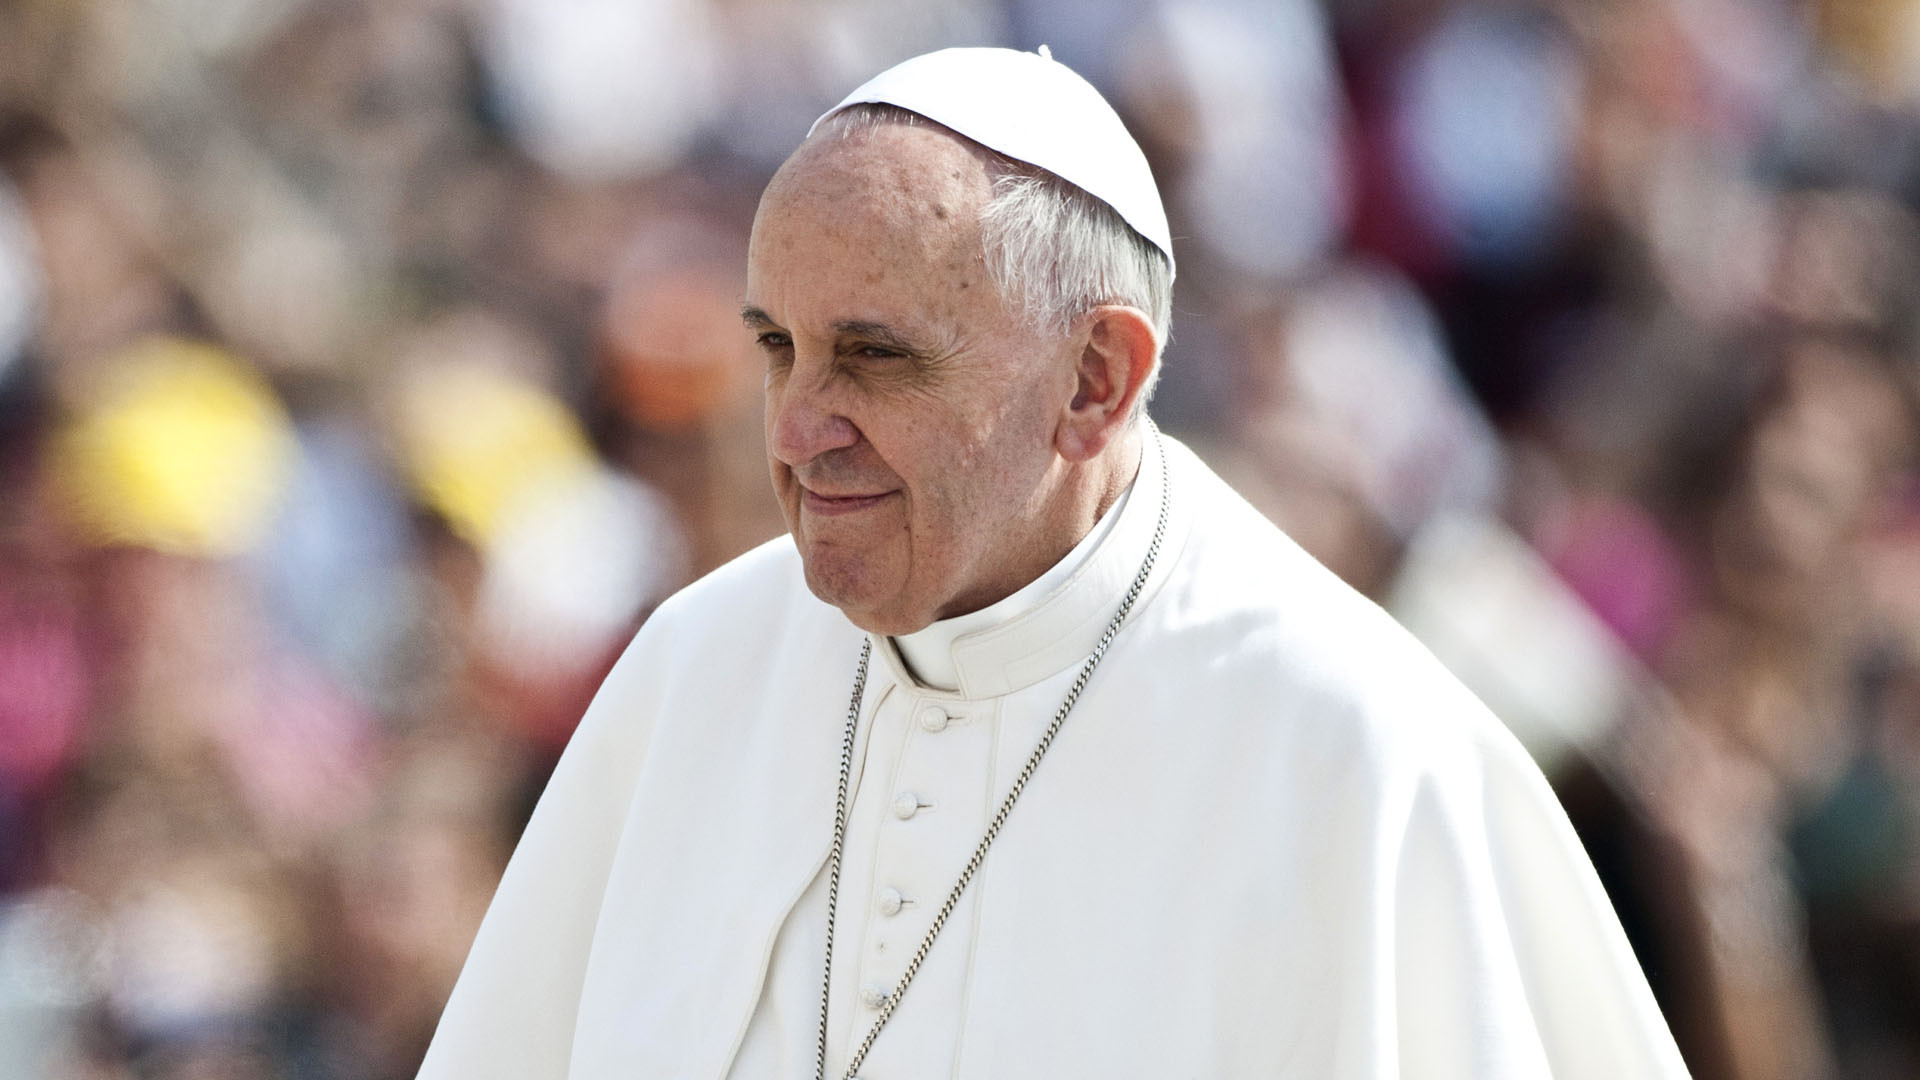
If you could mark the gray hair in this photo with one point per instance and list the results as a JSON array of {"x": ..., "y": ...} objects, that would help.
[{"x": 1054, "y": 251}]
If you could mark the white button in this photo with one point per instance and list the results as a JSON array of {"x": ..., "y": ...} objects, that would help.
[
  {"x": 873, "y": 995},
  {"x": 905, "y": 805},
  {"x": 933, "y": 718},
  {"x": 890, "y": 901}
]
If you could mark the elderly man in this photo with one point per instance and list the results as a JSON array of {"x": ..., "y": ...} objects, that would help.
[{"x": 1033, "y": 751}]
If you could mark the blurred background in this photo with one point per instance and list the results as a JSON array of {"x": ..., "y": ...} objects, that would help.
[{"x": 369, "y": 369}]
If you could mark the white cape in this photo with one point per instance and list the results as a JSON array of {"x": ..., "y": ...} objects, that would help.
[{"x": 1274, "y": 839}]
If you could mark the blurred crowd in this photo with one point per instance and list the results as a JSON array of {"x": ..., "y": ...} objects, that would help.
[{"x": 369, "y": 369}]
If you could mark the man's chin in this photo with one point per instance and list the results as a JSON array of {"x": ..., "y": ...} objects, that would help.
[{"x": 846, "y": 582}]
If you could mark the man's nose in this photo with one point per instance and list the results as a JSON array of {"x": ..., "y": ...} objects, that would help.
[{"x": 803, "y": 423}]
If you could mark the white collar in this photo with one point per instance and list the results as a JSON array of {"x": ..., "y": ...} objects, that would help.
[{"x": 1051, "y": 623}]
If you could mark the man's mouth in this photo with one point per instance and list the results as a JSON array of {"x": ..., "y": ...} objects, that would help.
[{"x": 817, "y": 503}]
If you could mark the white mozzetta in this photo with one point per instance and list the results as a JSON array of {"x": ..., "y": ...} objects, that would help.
[{"x": 1275, "y": 838}]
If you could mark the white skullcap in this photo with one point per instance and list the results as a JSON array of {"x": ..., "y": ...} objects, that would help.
[{"x": 1031, "y": 108}]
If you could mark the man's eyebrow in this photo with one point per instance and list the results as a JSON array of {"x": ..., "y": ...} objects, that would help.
[{"x": 877, "y": 333}]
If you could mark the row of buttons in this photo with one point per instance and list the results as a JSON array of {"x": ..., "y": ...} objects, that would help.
[{"x": 889, "y": 901}]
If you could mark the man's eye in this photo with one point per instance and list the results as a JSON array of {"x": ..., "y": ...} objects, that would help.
[
  {"x": 877, "y": 352},
  {"x": 773, "y": 340}
]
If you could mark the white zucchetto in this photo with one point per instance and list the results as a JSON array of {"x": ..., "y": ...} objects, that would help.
[{"x": 1031, "y": 108}]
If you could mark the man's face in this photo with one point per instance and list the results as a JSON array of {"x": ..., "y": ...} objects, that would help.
[{"x": 910, "y": 413}]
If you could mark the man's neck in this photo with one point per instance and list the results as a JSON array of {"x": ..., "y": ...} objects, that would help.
[
  {"x": 1091, "y": 508},
  {"x": 1074, "y": 497},
  {"x": 928, "y": 652}
]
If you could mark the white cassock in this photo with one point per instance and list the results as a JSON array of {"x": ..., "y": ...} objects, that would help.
[{"x": 1274, "y": 839}]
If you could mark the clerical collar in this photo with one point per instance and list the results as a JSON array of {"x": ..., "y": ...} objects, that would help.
[{"x": 928, "y": 652}]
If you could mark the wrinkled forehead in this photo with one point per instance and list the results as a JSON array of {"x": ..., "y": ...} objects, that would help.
[
  {"x": 922, "y": 180},
  {"x": 882, "y": 226}
]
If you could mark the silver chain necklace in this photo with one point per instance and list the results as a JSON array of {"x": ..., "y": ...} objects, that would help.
[{"x": 892, "y": 1001}]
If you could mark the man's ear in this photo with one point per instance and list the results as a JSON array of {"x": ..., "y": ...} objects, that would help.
[{"x": 1112, "y": 372}]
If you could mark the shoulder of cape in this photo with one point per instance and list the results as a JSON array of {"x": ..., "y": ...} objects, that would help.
[
  {"x": 750, "y": 611},
  {"x": 1271, "y": 620}
]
